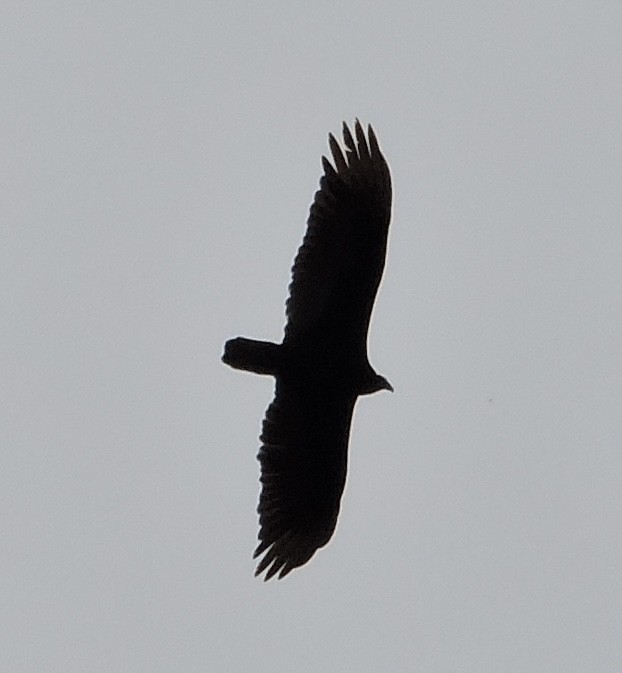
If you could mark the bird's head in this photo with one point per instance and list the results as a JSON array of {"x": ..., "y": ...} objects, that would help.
[{"x": 375, "y": 383}]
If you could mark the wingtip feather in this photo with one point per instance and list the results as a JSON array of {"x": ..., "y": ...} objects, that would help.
[
  {"x": 347, "y": 138},
  {"x": 328, "y": 167},
  {"x": 373, "y": 141},
  {"x": 340, "y": 162},
  {"x": 363, "y": 150}
]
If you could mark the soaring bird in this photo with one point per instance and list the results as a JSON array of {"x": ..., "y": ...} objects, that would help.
[{"x": 321, "y": 367}]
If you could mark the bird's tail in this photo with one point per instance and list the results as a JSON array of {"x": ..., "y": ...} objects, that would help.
[{"x": 260, "y": 357}]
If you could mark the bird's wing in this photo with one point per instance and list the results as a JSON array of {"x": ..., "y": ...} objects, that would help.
[
  {"x": 303, "y": 470},
  {"x": 340, "y": 262}
]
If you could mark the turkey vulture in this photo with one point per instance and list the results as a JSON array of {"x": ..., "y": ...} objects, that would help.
[{"x": 321, "y": 367}]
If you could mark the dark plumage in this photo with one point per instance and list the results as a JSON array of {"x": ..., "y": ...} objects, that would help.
[{"x": 321, "y": 367}]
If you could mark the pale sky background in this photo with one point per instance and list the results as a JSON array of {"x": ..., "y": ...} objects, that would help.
[{"x": 158, "y": 161}]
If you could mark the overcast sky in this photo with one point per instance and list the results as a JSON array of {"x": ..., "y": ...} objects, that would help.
[{"x": 158, "y": 161}]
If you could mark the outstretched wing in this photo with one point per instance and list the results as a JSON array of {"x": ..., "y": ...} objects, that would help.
[
  {"x": 340, "y": 262},
  {"x": 303, "y": 471}
]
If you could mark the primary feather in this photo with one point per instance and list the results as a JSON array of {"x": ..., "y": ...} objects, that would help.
[{"x": 321, "y": 367}]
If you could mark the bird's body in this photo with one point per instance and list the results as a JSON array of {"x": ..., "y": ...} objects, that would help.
[{"x": 321, "y": 367}]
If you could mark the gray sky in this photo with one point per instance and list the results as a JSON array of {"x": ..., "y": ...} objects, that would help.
[{"x": 158, "y": 161}]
